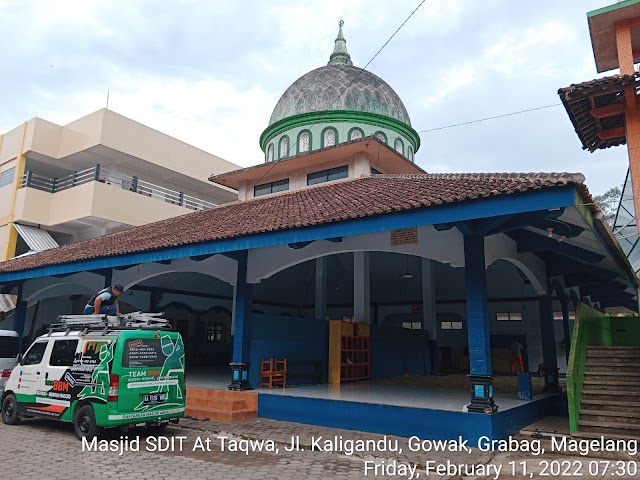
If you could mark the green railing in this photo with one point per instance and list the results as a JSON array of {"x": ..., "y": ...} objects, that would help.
[
  {"x": 590, "y": 328},
  {"x": 593, "y": 328}
]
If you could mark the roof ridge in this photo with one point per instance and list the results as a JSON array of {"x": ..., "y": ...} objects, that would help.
[{"x": 565, "y": 177}]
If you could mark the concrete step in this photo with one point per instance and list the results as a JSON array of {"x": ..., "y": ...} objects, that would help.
[
  {"x": 624, "y": 383},
  {"x": 608, "y": 431},
  {"x": 611, "y": 425},
  {"x": 606, "y": 395},
  {"x": 611, "y": 363},
  {"x": 610, "y": 412},
  {"x": 624, "y": 370},
  {"x": 606, "y": 435},
  {"x": 221, "y": 415},
  {"x": 614, "y": 348},
  {"x": 606, "y": 418},
  {"x": 603, "y": 359},
  {"x": 597, "y": 401},
  {"x": 219, "y": 403},
  {"x": 251, "y": 398}
]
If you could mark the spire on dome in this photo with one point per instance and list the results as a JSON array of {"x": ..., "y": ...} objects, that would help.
[{"x": 340, "y": 56}]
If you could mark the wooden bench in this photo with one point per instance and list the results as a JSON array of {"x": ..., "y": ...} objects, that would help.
[{"x": 306, "y": 369}]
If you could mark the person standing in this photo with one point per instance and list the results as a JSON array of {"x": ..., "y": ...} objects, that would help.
[
  {"x": 105, "y": 301},
  {"x": 516, "y": 355}
]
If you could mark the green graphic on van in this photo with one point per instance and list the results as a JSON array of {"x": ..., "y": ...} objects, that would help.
[{"x": 100, "y": 377}]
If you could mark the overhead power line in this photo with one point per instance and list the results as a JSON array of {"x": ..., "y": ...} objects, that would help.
[{"x": 490, "y": 118}]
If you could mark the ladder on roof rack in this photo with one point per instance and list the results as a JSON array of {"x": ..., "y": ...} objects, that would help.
[{"x": 136, "y": 320}]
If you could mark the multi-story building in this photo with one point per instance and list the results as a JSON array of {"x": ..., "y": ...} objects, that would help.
[{"x": 99, "y": 174}]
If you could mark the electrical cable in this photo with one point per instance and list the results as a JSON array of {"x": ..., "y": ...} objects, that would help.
[{"x": 344, "y": 90}]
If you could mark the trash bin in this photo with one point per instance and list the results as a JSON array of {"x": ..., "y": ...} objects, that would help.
[{"x": 524, "y": 386}]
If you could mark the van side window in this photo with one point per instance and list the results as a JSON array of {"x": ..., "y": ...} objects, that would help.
[
  {"x": 35, "y": 354},
  {"x": 63, "y": 353}
]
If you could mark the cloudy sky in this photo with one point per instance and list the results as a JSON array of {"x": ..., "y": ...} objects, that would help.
[{"x": 210, "y": 72}]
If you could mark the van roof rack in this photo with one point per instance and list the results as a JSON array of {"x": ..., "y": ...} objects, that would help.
[{"x": 105, "y": 323}]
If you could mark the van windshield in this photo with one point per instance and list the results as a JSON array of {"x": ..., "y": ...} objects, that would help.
[{"x": 8, "y": 347}]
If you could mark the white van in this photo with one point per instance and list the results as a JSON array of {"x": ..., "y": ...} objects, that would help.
[{"x": 8, "y": 355}]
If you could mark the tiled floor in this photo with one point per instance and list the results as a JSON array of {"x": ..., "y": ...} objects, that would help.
[{"x": 366, "y": 392}]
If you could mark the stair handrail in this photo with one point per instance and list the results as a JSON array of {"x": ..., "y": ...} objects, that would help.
[{"x": 590, "y": 328}]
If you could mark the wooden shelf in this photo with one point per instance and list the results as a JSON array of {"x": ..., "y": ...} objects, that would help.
[{"x": 349, "y": 351}]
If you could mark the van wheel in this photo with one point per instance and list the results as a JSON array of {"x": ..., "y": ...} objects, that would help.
[
  {"x": 10, "y": 410},
  {"x": 85, "y": 423}
]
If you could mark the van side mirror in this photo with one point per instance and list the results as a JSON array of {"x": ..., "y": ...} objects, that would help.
[{"x": 19, "y": 358}]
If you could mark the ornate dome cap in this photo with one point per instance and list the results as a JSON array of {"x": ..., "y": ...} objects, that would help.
[{"x": 321, "y": 90}]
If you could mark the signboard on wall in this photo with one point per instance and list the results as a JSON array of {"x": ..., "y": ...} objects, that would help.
[{"x": 404, "y": 236}]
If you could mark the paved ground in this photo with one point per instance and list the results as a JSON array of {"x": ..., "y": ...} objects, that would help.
[{"x": 39, "y": 449}]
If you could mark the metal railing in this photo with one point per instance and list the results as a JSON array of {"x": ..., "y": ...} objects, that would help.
[{"x": 115, "y": 179}]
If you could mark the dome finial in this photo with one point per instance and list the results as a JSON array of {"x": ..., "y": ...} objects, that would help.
[{"x": 340, "y": 55}]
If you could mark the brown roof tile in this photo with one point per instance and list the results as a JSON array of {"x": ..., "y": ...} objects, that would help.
[
  {"x": 321, "y": 204},
  {"x": 580, "y": 98}
]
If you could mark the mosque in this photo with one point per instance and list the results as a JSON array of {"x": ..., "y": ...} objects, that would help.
[{"x": 370, "y": 276}]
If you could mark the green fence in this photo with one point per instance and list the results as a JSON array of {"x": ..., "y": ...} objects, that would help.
[
  {"x": 590, "y": 328},
  {"x": 593, "y": 328}
]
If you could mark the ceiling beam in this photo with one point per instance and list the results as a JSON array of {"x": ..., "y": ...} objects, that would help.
[
  {"x": 608, "y": 111},
  {"x": 612, "y": 134}
]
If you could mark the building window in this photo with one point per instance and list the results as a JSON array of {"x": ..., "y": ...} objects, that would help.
[
  {"x": 355, "y": 134},
  {"x": 410, "y": 153},
  {"x": 412, "y": 325},
  {"x": 447, "y": 325},
  {"x": 399, "y": 146},
  {"x": 271, "y": 187},
  {"x": 304, "y": 141},
  {"x": 509, "y": 316},
  {"x": 375, "y": 171},
  {"x": 381, "y": 136},
  {"x": 329, "y": 137},
  {"x": 215, "y": 331},
  {"x": 558, "y": 315},
  {"x": 328, "y": 175},
  {"x": 284, "y": 147},
  {"x": 6, "y": 177},
  {"x": 270, "y": 153}
]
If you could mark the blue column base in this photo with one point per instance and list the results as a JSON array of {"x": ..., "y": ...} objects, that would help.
[
  {"x": 239, "y": 376},
  {"x": 482, "y": 394}
]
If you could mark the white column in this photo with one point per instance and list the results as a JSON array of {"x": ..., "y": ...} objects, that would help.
[
  {"x": 429, "y": 299},
  {"x": 321, "y": 288},
  {"x": 361, "y": 288}
]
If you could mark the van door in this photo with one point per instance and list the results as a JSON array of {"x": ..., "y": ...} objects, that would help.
[
  {"x": 152, "y": 376},
  {"x": 57, "y": 384},
  {"x": 31, "y": 374}
]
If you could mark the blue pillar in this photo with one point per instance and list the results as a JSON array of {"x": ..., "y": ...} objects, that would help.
[
  {"x": 241, "y": 327},
  {"x": 478, "y": 326},
  {"x": 567, "y": 331},
  {"x": 20, "y": 317},
  {"x": 108, "y": 277},
  {"x": 551, "y": 383}
]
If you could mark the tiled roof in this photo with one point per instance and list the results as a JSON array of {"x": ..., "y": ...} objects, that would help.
[
  {"x": 332, "y": 202},
  {"x": 580, "y": 98}
]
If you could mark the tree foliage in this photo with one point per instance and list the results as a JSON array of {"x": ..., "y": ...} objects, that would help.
[{"x": 608, "y": 203}]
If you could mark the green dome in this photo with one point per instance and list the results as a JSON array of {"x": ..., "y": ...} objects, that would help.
[{"x": 320, "y": 90}]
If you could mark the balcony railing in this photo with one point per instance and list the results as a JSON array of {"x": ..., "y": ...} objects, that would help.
[{"x": 115, "y": 179}]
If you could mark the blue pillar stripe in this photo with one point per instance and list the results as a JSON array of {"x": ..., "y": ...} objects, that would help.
[
  {"x": 19, "y": 320},
  {"x": 477, "y": 311},
  {"x": 565, "y": 325},
  {"x": 242, "y": 311},
  {"x": 547, "y": 332}
]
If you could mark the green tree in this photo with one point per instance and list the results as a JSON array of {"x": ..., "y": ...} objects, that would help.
[{"x": 608, "y": 203}]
